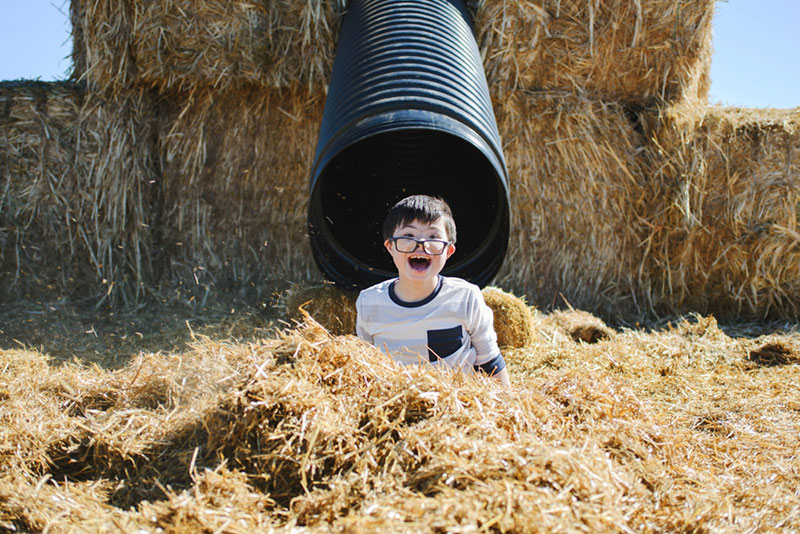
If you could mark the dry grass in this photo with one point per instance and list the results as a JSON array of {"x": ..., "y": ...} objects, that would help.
[
  {"x": 183, "y": 44},
  {"x": 723, "y": 234},
  {"x": 78, "y": 181},
  {"x": 576, "y": 187},
  {"x": 630, "y": 51},
  {"x": 235, "y": 169},
  {"x": 677, "y": 429}
]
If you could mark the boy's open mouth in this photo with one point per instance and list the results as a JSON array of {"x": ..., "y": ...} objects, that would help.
[{"x": 419, "y": 263}]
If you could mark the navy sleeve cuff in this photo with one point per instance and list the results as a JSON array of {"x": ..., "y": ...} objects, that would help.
[{"x": 495, "y": 365}]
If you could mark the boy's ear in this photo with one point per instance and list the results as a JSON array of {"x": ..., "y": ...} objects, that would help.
[
  {"x": 388, "y": 245},
  {"x": 451, "y": 248}
]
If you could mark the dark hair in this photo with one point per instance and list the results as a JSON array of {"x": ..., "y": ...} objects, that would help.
[{"x": 421, "y": 208}]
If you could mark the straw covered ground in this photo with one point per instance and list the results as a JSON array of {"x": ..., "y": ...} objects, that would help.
[{"x": 682, "y": 428}]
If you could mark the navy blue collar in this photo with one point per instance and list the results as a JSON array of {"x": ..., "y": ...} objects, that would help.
[{"x": 418, "y": 303}]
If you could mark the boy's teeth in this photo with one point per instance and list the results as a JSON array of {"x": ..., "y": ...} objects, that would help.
[{"x": 419, "y": 262}]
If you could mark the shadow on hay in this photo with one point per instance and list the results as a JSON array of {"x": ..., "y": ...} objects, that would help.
[
  {"x": 296, "y": 429},
  {"x": 773, "y": 354},
  {"x": 143, "y": 475}
]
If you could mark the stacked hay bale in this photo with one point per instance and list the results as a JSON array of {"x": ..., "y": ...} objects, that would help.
[
  {"x": 241, "y": 94},
  {"x": 618, "y": 50},
  {"x": 575, "y": 191},
  {"x": 186, "y": 44},
  {"x": 189, "y": 142},
  {"x": 79, "y": 179},
  {"x": 234, "y": 168},
  {"x": 181, "y": 153},
  {"x": 572, "y": 81},
  {"x": 725, "y": 236}
]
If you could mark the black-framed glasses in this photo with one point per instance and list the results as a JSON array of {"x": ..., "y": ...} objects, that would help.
[{"x": 407, "y": 245}]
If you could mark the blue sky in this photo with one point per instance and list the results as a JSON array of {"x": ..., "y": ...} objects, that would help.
[{"x": 756, "y": 48}]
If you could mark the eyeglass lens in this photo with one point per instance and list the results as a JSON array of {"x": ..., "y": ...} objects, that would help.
[{"x": 409, "y": 244}]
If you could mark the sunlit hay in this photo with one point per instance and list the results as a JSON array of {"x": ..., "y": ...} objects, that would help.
[
  {"x": 674, "y": 429},
  {"x": 330, "y": 306},
  {"x": 235, "y": 169},
  {"x": 630, "y": 51},
  {"x": 217, "y": 499},
  {"x": 367, "y": 429},
  {"x": 725, "y": 237},
  {"x": 576, "y": 197},
  {"x": 306, "y": 417},
  {"x": 717, "y": 402},
  {"x": 79, "y": 174},
  {"x": 137, "y": 424},
  {"x": 30, "y": 416},
  {"x": 578, "y": 325},
  {"x": 49, "y": 505},
  {"x": 178, "y": 44},
  {"x": 513, "y": 319}
]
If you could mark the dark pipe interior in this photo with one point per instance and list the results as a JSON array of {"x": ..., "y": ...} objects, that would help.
[{"x": 361, "y": 183}]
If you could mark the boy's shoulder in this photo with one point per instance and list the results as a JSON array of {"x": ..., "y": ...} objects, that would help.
[
  {"x": 452, "y": 284},
  {"x": 377, "y": 290},
  {"x": 459, "y": 283}
]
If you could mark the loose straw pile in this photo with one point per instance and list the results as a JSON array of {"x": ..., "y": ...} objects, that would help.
[{"x": 683, "y": 428}]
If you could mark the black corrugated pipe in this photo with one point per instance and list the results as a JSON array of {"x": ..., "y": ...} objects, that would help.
[{"x": 408, "y": 111}]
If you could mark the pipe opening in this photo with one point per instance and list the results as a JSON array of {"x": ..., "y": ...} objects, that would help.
[{"x": 360, "y": 185}]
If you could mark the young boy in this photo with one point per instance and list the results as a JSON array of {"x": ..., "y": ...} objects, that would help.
[{"x": 421, "y": 316}]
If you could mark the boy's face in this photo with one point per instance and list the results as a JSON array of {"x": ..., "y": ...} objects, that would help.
[{"x": 419, "y": 265}]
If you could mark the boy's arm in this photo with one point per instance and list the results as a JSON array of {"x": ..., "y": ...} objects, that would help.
[
  {"x": 502, "y": 376},
  {"x": 361, "y": 330},
  {"x": 495, "y": 368}
]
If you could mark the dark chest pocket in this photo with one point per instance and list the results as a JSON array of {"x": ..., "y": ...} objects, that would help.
[{"x": 443, "y": 343}]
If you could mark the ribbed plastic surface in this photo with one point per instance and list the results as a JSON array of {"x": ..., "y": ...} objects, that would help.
[{"x": 408, "y": 111}]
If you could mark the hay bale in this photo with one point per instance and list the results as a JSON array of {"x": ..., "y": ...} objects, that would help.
[
  {"x": 328, "y": 305},
  {"x": 724, "y": 231},
  {"x": 618, "y": 50},
  {"x": 513, "y": 319},
  {"x": 576, "y": 185},
  {"x": 179, "y": 44},
  {"x": 235, "y": 184},
  {"x": 578, "y": 325},
  {"x": 79, "y": 175},
  {"x": 630, "y": 51}
]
